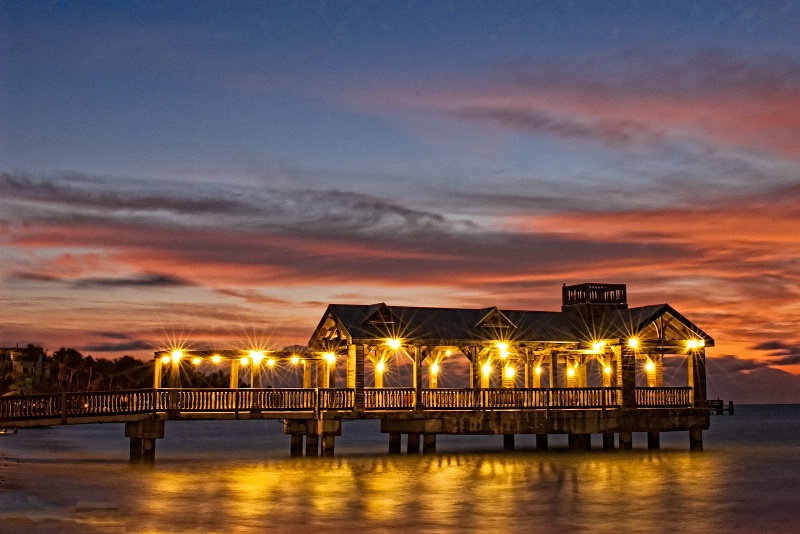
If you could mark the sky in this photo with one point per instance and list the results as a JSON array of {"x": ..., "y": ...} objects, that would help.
[{"x": 216, "y": 173}]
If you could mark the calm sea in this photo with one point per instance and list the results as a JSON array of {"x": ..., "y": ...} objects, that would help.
[{"x": 237, "y": 476}]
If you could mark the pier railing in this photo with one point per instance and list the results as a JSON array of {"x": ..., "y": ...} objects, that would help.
[
  {"x": 663, "y": 397},
  {"x": 119, "y": 403}
]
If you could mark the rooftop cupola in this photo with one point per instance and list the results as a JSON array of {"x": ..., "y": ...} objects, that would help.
[{"x": 585, "y": 297}]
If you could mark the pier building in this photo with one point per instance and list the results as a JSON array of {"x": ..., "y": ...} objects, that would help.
[{"x": 596, "y": 367}]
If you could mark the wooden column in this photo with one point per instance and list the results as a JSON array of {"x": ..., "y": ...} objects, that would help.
[
  {"x": 331, "y": 367},
  {"x": 541, "y": 442},
  {"x": 653, "y": 440},
  {"x": 323, "y": 377},
  {"x": 433, "y": 371},
  {"x": 508, "y": 442},
  {"x": 553, "y": 369},
  {"x": 307, "y": 384},
  {"x": 474, "y": 367},
  {"x": 626, "y": 441},
  {"x": 355, "y": 373},
  {"x": 417, "y": 355},
  {"x": 628, "y": 364},
  {"x": 485, "y": 379},
  {"x": 175, "y": 374},
  {"x": 157, "y": 371},
  {"x": 255, "y": 374},
  {"x": 608, "y": 440},
  {"x": 234, "y": 374},
  {"x": 697, "y": 376}
]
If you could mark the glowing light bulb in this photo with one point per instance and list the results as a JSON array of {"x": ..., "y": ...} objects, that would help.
[
  {"x": 448, "y": 352},
  {"x": 502, "y": 346},
  {"x": 329, "y": 357},
  {"x": 393, "y": 343},
  {"x": 295, "y": 359},
  {"x": 487, "y": 369},
  {"x": 216, "y": 358},
  {"x": 380, "y": 367},
  {"x": 538, "y": 370},
  {"x": 177, "y": 355},
  {"x": 510, "y": 372},
  {"x": 607, "y": 369},
  {"x": 165, "y": 359},
  {"x": 633, "y": 343},
  {"x": 271, "y": 362},
  {"x": 435, "y": 368},
  {"x": 245, "y": 361},
  {"x": 196, "y": 361},
  {"x": 650, "y": 367},
  {"x": 570, "y": 371},
  {"x": 692, "y": 344},
  {"x": 598, "y": 345}
]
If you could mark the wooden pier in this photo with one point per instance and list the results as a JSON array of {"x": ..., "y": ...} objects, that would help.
[{"x": 508, "y": 354}]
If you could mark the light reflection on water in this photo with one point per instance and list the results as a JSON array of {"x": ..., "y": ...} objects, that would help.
[{"x": 731, "y": 486}]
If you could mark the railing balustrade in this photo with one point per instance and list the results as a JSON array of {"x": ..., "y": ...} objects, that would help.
[
  {"x": 110, "y": 403},
  {"x": 660, "y": 397}
]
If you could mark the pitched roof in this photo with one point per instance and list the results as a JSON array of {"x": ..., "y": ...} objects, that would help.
[{"x": 379, "y": 321}]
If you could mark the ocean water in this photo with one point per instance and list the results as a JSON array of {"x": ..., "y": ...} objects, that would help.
[{"x": 237, "y": 476}]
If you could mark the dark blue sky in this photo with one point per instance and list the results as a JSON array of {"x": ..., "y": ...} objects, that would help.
[{"x": 219, "y": 167}]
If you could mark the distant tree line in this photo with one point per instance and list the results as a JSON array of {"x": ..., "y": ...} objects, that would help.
[{"x": 68, "y": 370}]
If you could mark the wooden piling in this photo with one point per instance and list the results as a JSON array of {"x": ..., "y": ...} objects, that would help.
[
  {"x": 608, "y": 440},
  {"x": 541, "y": 442},
  {"x": 653, "y": 440},
  {"x": 626, "y": 441},
  {"x": 412, "y": 444},
  {"x": 695, "y": 439},
  {"x": 428, "y": 443},
  {"x": 394, "y": 442},
  {"x": 508, "y": 442},
  {"x": 312, "y": 445},
  {"x": 296, "y": 446}
]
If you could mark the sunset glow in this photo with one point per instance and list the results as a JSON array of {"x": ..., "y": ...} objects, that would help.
[{"x": 190, "y": 175}]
